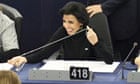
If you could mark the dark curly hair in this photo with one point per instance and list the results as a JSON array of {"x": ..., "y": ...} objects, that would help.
[{"x": 78, "y": 10}]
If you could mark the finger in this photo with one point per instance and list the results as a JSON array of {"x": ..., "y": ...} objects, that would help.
[
  {"x": 12, "y": 62},
  {"x": 89, "y": 7},
  {"x": 18, "y": 64},
  {"x": 90, "y": 11},
  {"x": 91, "y": 14},
  {"x": 88, "y": 28},
  {"x": 9, "y": 61}
]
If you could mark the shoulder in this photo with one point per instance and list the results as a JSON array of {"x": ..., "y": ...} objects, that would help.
[{"x": 5, "y": 21}]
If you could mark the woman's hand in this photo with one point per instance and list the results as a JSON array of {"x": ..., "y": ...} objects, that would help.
[
  {"x": 17, "y": 61},
  {"x": 91, "y": 36},
  {"x": 93, "y": 9}
]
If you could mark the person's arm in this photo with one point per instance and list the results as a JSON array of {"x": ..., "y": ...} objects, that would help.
[
  {"x": 107, "y": 7},
  {"x": 137, "y": 62},
  {"x": 46, "y": 52},
  {"x": 9, "y": 41},
  {"x": 9, "y": 38},
  {"x": 41, "y": 54}
]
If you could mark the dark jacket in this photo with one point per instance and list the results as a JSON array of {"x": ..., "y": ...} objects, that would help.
[
  {"x": 76, "y": 47},
  {"x": 121, "y": 16}
]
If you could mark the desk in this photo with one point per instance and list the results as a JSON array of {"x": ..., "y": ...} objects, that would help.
[{"x": 99, "y": 78}]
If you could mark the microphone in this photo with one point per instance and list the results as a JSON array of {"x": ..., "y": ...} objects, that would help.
[
  {"x": 129, "y": 54},
  {"x": 18, "y": 69},
  {"x": 132, "y": 49},
  {"x": 52, "y": 43}
]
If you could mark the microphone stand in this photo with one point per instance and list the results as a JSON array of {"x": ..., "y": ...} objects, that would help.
[
  {"x": 51, "y": 43},
  {"x": 124, "y": 62}
]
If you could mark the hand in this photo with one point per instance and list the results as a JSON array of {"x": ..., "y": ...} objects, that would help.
[
  {"x": 91, "y": 36},
  {"x": 17, "y": 61},
  {"x": 93, "y": 9},
  {"x": 137, "y": 62}
]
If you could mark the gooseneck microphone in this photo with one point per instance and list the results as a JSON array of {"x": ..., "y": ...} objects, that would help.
[
  {"x": 18, "y": 69},
  {"x": 125, "y": 60},
  {"x": 52, "y": 43}
]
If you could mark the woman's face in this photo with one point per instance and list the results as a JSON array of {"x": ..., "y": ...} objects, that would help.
[{"x": 71, "y": 24}]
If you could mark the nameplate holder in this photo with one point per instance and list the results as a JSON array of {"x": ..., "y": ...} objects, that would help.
[
  {"x": 133, "y": 77},
  {"x": 74, "y": 74}
]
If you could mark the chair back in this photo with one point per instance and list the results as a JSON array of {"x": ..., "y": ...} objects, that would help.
[
  {"x": 15, "y": 15},
  {"x": 100, "y": 25}
]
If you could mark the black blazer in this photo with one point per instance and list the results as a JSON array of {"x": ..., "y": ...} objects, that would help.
[{"x": 121, "y": 16}]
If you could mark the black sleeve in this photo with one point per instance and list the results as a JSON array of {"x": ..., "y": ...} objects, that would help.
[
  {"x": 4, "y": 56},
  {"x": 109, "y": 6},
  {"x": 47, "y": 51}
]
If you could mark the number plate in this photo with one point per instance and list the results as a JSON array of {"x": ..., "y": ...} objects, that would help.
[{"x": 79, "y": 73}]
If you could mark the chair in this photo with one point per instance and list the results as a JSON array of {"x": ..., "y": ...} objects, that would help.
[
  {"x": 14, "y": 15},
  {"x": 99, "y": 24}
]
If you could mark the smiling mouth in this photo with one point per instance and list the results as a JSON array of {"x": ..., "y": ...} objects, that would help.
[{"x": 70, "y": 32}]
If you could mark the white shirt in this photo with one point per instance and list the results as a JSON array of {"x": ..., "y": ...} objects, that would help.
[{"x": 8, "y": 35}]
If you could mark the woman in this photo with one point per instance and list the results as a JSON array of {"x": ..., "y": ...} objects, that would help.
[
  {"x": 9, "y": 77},
  {"x": 78, "y": 47}
]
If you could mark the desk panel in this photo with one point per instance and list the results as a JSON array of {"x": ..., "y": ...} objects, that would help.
[{"x": 99, "y": 78}]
